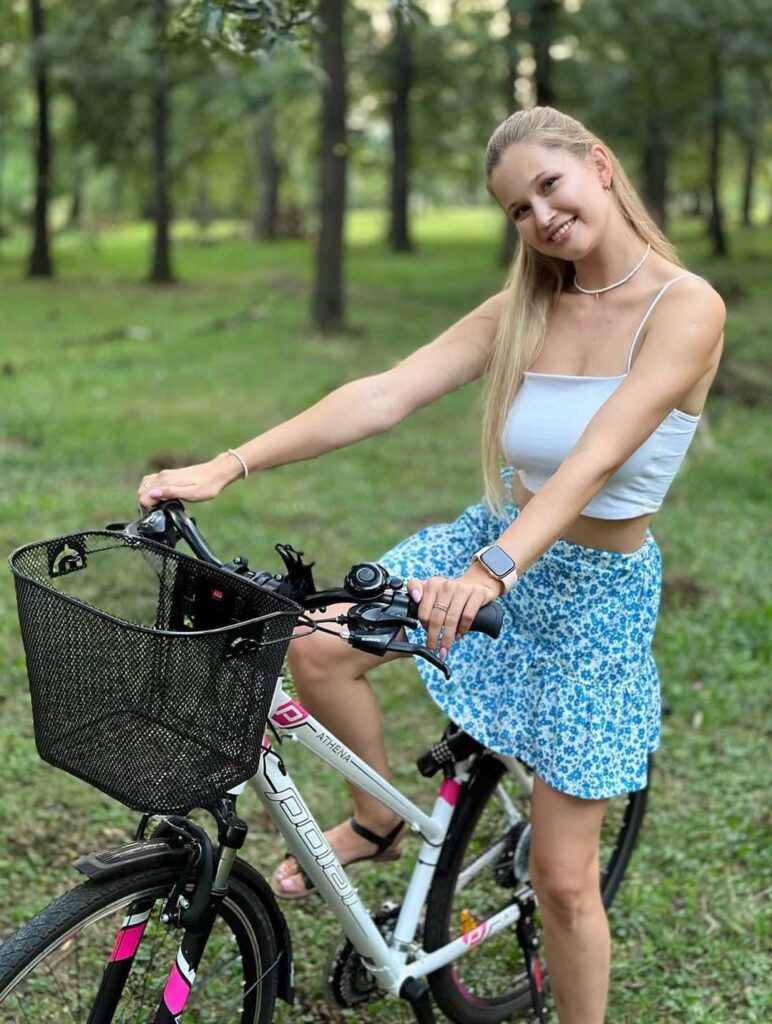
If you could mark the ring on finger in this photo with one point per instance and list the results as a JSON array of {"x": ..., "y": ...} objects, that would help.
[{"x": 442, "y": 607}]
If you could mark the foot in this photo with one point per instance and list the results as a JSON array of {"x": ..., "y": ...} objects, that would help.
[{"x": 348, "y": 846}]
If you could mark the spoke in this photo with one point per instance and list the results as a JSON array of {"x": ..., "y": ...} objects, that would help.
[
  {"x": 478, "y": 864},
  {"x": 253, "y": 986},
  {"x": 64, "y": 997},
  {"x": 153, "y": 947},
  {"x": 20, "y": 1005}
]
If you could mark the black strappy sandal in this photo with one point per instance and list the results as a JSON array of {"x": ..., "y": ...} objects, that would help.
[{"x": 383, "y": 852}]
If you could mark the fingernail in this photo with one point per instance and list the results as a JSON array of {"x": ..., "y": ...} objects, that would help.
[
  {"x": 155, "y": 494},
  {"x": 415, "y": 594},
  {"x": 286, "y": 884},
  {"x": 458, "y": 636},
  {"x": 444, "y": 653}
]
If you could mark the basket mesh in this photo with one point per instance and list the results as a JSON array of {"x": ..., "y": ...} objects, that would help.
[{"x": 147, "y": 678}]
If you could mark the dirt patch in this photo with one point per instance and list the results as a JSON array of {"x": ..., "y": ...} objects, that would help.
[
  {"x": 747, "y": 385},
  {"x": 16, "y": 443},
  {"x": 173, "y": 460},
  {"x": 682, "y": 592}
]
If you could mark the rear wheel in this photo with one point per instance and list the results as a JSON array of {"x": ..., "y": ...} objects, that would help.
[
  {"x": 50, "y": 970},
  {"x": 474, "y": 880}
]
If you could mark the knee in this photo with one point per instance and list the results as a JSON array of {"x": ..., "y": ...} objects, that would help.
[
  {"x": 565, "y": 895},
  {"x": 313, "y": 660}
]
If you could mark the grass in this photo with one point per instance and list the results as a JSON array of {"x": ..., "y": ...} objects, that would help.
[{"x": 102, "y": 376}]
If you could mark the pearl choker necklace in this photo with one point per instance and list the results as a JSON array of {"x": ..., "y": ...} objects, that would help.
[{"x": 596, "y": 291}]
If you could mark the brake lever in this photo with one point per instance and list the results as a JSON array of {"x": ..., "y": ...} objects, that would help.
[{"x": 380, "y": 644}]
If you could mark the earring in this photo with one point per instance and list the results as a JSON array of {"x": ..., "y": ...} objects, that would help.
[{"x": 607, "y": 188}]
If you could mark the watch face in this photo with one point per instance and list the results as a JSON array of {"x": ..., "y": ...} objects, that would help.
[{"x": 497, "y": 561}]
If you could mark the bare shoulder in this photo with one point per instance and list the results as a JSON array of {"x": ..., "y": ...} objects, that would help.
[{"x": 691, "y": 313}]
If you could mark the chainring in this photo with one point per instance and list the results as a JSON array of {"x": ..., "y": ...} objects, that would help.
[{"x": 349, "y": 983}]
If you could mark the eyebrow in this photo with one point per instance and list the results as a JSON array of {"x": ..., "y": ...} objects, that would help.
[{"x": 533, "y": 181}]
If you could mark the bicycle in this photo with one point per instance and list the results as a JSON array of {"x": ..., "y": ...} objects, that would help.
[{"x": 173, "y": 715}]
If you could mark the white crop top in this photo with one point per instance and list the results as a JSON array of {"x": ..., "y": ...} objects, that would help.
[{"x": 551, "y": 412}]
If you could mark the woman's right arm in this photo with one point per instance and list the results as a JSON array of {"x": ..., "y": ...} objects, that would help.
[{"x": 359, "y": 409}]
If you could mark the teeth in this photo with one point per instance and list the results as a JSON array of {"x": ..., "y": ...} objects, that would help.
[{"x": 562, "y": 230}]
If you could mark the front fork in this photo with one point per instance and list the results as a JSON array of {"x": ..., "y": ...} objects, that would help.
[{"x": 196, "y": 915}]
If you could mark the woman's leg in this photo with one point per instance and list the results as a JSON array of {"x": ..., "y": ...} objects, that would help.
[
  {"x": 565, "y": 870},
  {"x": 331, "y": 683}
]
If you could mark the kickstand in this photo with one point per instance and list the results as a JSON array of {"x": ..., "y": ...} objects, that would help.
[{"x": 417, "y": 994}]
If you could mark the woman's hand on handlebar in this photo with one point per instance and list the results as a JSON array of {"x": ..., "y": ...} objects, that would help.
[
  {"x": 447, "y": 608},
  {"x": 190, "y": 483}
]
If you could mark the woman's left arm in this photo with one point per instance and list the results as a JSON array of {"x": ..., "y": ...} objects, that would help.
[{"x": 683, "y": 346}]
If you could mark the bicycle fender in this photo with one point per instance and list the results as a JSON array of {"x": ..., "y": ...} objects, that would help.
[
  {"x": 123, "y": 860},
  {"x": 263, "y": 892}
]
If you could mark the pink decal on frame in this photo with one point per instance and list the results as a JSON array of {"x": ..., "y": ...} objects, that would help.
[
  {"x": 290, "y": 713},
  {"x": 127, "y": 942},
  {"x": 476, "y": 935},
  {"x": 449, "y": 791},
  {"x": 176, "y": 992}
]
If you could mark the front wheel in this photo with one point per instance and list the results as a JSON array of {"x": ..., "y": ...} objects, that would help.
[
  {"x": 490, "y": 984},
  {"x": 51, "y": 970}
]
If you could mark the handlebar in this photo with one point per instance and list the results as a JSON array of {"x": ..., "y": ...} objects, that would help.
[{"x": 380, "y": 606}]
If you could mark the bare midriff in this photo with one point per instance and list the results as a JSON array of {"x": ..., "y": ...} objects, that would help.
[{"x": 604, "y": 534}]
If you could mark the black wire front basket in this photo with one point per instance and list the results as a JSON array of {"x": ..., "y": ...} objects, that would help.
[{"x": 151, "y": 673}]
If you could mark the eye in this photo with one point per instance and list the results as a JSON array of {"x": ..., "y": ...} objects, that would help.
[{"x": 548, "y": 183}]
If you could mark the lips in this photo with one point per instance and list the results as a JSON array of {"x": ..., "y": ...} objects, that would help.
[{"x": 562, "y": 231}]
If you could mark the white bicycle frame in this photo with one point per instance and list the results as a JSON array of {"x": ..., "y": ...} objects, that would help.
[{"x": 388, "y": 961}]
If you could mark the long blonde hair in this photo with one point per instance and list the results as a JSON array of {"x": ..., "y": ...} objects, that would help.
[{"x": 536, "y": 281}]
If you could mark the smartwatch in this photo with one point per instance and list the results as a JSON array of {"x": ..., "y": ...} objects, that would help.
[{"x": 498, "y": 564}]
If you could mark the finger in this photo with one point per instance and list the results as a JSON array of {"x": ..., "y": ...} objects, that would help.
[
  {"x": 415, "y": 589},
  {"x": 452, "y": 617},
  {"x": 443, "y": 595},
  {"x": 426, "y": 605},
  {"x": 474, "y": 603}
]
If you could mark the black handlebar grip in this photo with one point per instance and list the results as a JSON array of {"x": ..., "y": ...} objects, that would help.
[{"x": 489, "y": 619}]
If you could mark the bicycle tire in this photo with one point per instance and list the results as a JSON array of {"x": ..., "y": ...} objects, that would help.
[
  {"x": 40, "y": 964},
  {"x": 470, "y": 991}
]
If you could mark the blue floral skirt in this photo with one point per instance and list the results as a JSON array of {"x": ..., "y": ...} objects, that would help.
[{"x": 570, "y": 686}]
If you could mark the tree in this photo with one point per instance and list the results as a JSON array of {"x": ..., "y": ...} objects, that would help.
[
  {"x": 161, "y": 269},
  {"x": 403, "y": 68},
  {"x": 328, "y": 302},
  {"x": 40, "y": 261}
]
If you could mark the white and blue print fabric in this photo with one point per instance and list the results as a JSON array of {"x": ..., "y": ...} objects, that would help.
[{"x": 570, "y": 686}]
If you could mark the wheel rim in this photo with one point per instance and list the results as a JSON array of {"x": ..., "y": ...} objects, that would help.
[{"x": 60, "y": 984}]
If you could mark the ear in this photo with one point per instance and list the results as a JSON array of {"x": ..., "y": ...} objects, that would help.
[{"x": 601, "y": 162}]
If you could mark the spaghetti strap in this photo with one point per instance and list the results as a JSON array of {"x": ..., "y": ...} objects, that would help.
[{"x": 646, "y": 315}]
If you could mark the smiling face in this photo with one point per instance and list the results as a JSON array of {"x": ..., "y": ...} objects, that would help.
[{"x": 555, "y": 199}]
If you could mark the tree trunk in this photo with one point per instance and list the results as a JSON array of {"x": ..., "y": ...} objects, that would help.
[
  {"x": 399, "y": 110},
  {"x": 716, "y": 223},
  {"x": 75, "y": 213},
  {"x": 748, "y": 178},
  {"x": 203, "y": 208},
  {"x": 656, "y": 153},
  {"x": 40, "y": 262},
  {"x": 542, "y": 35},
  {"x": 327, "y": 309},
  {"x": 265, "y": 225},
  {"x": 161, "y": 270},
  {"x": 509, "y": 237}
]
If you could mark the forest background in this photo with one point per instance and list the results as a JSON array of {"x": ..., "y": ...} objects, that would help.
[{"x": 209, "y": 220}]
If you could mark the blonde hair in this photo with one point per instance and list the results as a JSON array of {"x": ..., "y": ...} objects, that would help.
[{"x": 536, "y": 281}]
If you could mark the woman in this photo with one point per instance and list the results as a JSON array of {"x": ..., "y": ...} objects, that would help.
[{"x": 598, "y": 356}]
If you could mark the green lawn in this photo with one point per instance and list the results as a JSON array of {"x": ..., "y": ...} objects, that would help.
[{"x": 102, "y": 376}]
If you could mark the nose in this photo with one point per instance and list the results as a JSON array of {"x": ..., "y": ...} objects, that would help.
[{"x": 543, "y": 214}]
